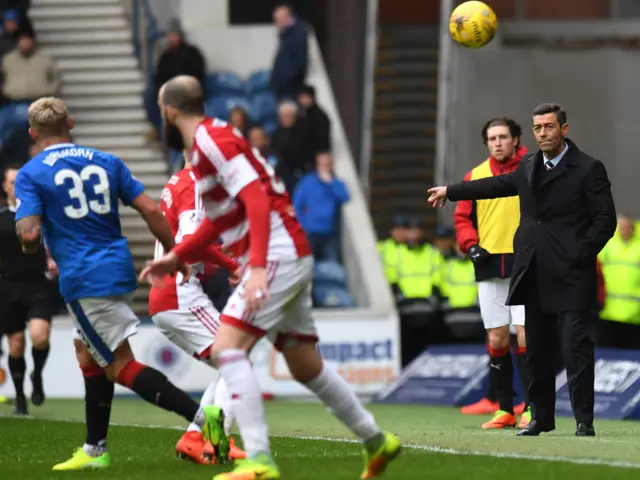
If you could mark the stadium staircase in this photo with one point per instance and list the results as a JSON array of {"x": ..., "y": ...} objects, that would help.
[
  {"x": 103, "y": 86},
  {"x": 404, "y": 125}
]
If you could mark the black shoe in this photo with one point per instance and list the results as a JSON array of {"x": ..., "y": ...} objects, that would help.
[
  {"x": 20, "y": 406},
  {"x": 584, "y": 429},
  {"x": 534, "y": 429},
  {"x": 37, "y": 396}
]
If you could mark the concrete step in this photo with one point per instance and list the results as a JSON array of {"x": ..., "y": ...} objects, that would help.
[
  {"x": 103, "y": 49},
  {"x": 58, "y": 37},
  {"x": 119, "y": 115},
  {"x": 140, "y": 238},
  {"x": 100, "y": 89},
  {"x": 82, "y": 102},
  {"x": 64, "y": 10},
  {"x": 109, "y": 143},
  {"x": 143, "y": 251},
  {"x": 66, "y": 25},
  {"x": 97, "y": 76},
  {"x": 100, "y": 64},
  {"x": 144, "y": 169},
  {"x": 110, "y": 129},
  {"x": 155, "y": 182},
  {"x": 138, "y": 155}
]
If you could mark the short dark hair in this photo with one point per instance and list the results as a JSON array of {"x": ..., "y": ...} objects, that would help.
[
  {"x": 545, "y": 108},
  {"x": 514, "y": 128},
  {"x": 188, "y": 98},
  {"x": 308, "y": 90},
  {"x": 11, "y": 166},
  {"x": 286, "y": 5}
]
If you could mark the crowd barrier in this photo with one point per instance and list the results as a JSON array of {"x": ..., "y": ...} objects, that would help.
[{"x": 365, "y": 351}]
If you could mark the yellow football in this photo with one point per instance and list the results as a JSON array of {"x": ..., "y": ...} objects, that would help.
[{"x": 473, "y": 24}]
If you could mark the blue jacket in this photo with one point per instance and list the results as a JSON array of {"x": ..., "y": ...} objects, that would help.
[
  {"x": 291, "y": 61},
  {"x": 318, "y": 204}
]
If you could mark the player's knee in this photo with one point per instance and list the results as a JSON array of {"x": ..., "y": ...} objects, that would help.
[
  {"x": 40, "y": 337},
  {"x": 303, "y": 360},
  {"x": 16, "y": 344},
  {"x": 499, "y": 337}
]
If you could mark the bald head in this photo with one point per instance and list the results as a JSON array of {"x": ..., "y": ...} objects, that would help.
[{"x": 184, "y": 93}]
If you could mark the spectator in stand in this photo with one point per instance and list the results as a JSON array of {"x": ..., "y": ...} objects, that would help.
[
  {"x": 10, "y": 31},
  {"x": 28, "y": 74},
  {"x": 290, "y": 140},
  {"x": 259, "y": 139},
  {"x": 239, "y": 118},
  {"x": 317, "y": 121},
  {"x": 318, "y": 199},
  {"x": 180, "y": 58},
  {"x": 292, "y": 58}
]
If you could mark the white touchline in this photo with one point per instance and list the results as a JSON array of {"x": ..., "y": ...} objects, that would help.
[{"x": 410, "y": 446}]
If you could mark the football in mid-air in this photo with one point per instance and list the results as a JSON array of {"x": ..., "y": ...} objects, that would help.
[{"x": 473, "y": 24}]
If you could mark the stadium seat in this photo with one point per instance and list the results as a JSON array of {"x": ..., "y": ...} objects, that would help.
[
  {"x": 326, "y": 296},
  {"x": 264, "y": 108},
  {"x": 258, "y": 82},
  {"x": 221, "y": 106},
  {"x": 224, "y": 83},
  {"x": 330, "y": 273},
  {"x": 270, "y": 127}
]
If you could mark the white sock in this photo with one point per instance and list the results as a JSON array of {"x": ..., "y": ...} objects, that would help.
[
  {"x": 95, "y": 450},
  {"x": 336, "y": 394},
  {"x": 207, "y": 399},
  {"x": 223, "y": 400},
  {"x": 235, "y": 370}
]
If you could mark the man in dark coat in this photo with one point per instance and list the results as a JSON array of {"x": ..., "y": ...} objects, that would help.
[
  {"x": 292, "y": 58},
  {"x": 567, "y": 215}
]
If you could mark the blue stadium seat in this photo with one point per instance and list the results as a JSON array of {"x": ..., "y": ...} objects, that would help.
[
  {"x": 330, "y": 273},
  {"x": 270, "y": 127},
  {"x": 326, "y": 296},
  {"x": 258, "y": 82},
  {"x": 221, "y": 106},
  {"x": 264, "y": 107},
  {"x": 224, "y": 83}
]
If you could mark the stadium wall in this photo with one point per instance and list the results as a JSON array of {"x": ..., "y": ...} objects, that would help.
[{"x": 596, "y": 85}]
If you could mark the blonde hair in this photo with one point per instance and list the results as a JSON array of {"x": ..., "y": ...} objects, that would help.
[{"x": 49, "y": 116}]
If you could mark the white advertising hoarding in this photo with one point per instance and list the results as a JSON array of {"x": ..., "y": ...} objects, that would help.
[{"x": 364, "y": 349}]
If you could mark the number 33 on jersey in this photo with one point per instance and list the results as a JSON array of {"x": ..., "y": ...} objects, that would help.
[{"x": 76, "y": 190}]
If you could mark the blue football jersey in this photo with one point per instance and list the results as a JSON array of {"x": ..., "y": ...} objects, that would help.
[{"x": 76, "y": 191}]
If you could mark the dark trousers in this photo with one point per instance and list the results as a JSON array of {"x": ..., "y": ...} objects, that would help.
[
  {"x": 577, "y": 332},
  {"x": 618, "y": 335}
]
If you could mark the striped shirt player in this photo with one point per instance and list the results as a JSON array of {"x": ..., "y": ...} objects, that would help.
[
  {"x": 182, "y": 311},
  {"x": 224, "y": 164}
]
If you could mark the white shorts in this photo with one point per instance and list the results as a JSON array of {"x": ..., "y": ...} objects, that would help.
[
  {"x": 193, "y": 330},
  {"x": 288, "y": 314},
  {"x": 103, "y": 324},
  {"x": 492, "y": 296}
]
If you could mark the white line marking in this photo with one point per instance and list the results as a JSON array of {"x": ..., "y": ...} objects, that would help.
[{"x": 410, "y": 446}]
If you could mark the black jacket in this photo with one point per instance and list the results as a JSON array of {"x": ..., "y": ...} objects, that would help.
[
  {"x": 184, "y": 60},
  {"x": 567, "y": 216},
  {"x": 290, "y": 64}
]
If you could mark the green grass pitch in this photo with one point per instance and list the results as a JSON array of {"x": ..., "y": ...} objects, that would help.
[{"x": 309, "y": 444}]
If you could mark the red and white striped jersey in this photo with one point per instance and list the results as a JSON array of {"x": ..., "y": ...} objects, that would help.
[
  {"x": 182, "y": 206},
  {"x": 224, "y": 164}
]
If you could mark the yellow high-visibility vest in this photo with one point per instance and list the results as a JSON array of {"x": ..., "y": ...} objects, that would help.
[
  {"x": 459, "y": 283},
  {"x": 620, "y": 264}
]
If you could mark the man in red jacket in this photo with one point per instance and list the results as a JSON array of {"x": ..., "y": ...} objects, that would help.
[{"x": 485, "y": 231}]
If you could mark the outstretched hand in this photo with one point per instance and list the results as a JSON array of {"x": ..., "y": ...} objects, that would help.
[{"x": 437, "y": 196}]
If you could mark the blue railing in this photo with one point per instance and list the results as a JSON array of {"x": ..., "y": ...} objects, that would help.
[{"x": 145, "y": 34}]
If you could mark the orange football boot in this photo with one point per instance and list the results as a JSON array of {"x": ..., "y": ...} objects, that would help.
[
  {"x": 235, "y": 452},
  {"x": 501, "y": 419},
  {"x": 519, "y": 409},
  {"x": 192, "y": 446},
  {"x": 483, "y": 407}
]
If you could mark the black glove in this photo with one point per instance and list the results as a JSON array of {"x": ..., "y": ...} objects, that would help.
[{"x": 477, "y": 254}]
